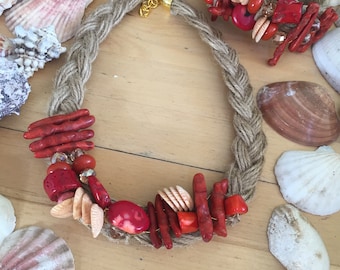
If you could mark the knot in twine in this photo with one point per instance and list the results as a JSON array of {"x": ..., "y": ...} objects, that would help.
[{"x": 249, "y": 143}]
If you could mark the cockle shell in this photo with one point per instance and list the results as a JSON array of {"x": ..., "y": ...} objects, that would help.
[
  {"x": 294, "y": 241},
  {"x": 35, "y": 248},
  {"x": 7, "y": 218},
  {"x": 34, "y": 47},
  {"x": 77, "y": 202},
  {"x": 302, "y": 112},
  {"x": 14, "y": 88},
  {"x": 86, "y": 209},
  {"x": 310, "y": 179},
  {"x": 64, "y": 15},
  {"x": 97, "y": 219},
  {"x": 326, "y": 54},
  {"x": 63, "y": 209},
  {"x": 177, "y": 198},
  {"x": 6, "y": 4}
]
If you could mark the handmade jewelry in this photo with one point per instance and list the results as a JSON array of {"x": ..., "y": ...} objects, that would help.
[
  {"x": 174, "y": 218},
  {"x": 291, "y": 23}
]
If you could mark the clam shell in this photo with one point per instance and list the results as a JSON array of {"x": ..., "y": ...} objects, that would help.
[
  {"x": 77, "y": 202},
  {"x": 326, "y": 54},
  {"x": 310, "y": 180},
  {"x": 294, "y": 241},
  {"x": 86, "y": 209},
  {"x": 7, "y": 218},
  {"x": 14, "y": 88},
  {"x": 35, "y": 248},
  {"x": 177, "y": 198},
  {"x": 64, "y": 15},
  {"x": 302, "y": 112},
  {"x": 97, "y": 219},
  {"x": 63, "y": 209}
]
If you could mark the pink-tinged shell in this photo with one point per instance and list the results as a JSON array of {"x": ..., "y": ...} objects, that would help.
[
  {"x": 97, "y": 219},
  {"x": 302, "y": 112},
  {"x": 177, "y": 198},
  {"x": 86, "y": 209},
  {"x": 6, "y": 46},
  {"x": 77, "y": 202},
  {"x": 64, "y": 15},
  {"x": 63, "y": 209},
  {"x": 35, "y": 248}
]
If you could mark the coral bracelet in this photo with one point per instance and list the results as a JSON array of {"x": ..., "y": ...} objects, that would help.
[{"x": 174, "y": 217}]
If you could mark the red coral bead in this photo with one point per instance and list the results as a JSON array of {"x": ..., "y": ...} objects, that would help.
[
  {"x": 270, "y": 32},
  {"x": 188, "y": 222},
  {"x": 242, "y": 18},
  {"x": 235, "y": 205},
  {"x": 287, "y": 11},
  {"x": 101, "y": 196},
  {"x": 59, "y": 182},
  {"x": 254, "y": 6},
  {"x": 58, "y": 166},
  {"x": 128, "y": 217},
  {"x": 84, "y": 162}
]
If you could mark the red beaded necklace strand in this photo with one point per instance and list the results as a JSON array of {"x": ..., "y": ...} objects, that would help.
[{"x": 173, "y": 217}]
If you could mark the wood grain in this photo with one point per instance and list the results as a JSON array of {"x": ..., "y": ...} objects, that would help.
[{"x": 162, "y": 115}]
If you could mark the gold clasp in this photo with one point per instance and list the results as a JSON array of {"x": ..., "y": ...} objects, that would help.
[{"x": 148, "y": 5}]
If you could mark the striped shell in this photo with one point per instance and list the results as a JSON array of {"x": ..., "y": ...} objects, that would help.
[
  {"x": 35, "y": 248},
  {"x": 64, "y": 15},
  {"x": 310, "y": 179},
  {"x": 177, "y": 198},
  {"x": 7, "y": 218}
]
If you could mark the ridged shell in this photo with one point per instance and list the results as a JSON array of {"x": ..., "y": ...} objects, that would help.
[
  {"x": 64, "y": 15},
  {"x": 177, "y": 198},
  {"x": 14, "y": 88},
  {"x": 86, "y": 209},
  {"x": 6, "y": 4},
  {"x": 6, "y": 46},
  {"x": 77, "y": 202},
  {"x": 97, "y": 219},
  {"x": 63, "y": 209},
  {"x": 310, "y": 179},
  {"x": 35, "y": 248},
  {"x": 294, "y": 241},
  {"x": 302, "y": 112},
  {"x": 7, "y": 218},
  {"x": 326, "y": 53}
]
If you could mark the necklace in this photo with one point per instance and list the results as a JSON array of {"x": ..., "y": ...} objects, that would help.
[{"x": 71, "y": 177}]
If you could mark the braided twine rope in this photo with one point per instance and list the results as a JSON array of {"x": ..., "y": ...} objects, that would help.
[{"x": 249, "y": 143}]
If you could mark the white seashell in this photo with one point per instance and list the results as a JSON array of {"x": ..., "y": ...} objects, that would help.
[
  {"x": 34, "y": 47},
  {"x": 14, "y": 88},
  {"x": 97, "y": 219},
  {"x": 66, "y": 17},
  {"x": 86, "y": 209},
  {"x": 177, "y": 198},
  {"x": 77, "y": 202},
  {"x": 7, "y": 218},
  {"x": 35, "y": 248},
  {"x": 326, "y": 54},
  {"x": 294, "y": 241},
  {"x": 6, "y": 4},
  {"x": 310, "y": 179},
  {"x": 6, "y": 46},
  {"x": 63, "y": 209}
]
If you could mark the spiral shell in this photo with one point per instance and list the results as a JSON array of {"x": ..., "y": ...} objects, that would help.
[
  {"x": 7, "y": 218},
  {"x": 294, "y": 241},
  {"x": 310, "y": 179},
  {"x": 35, "y": 248}
]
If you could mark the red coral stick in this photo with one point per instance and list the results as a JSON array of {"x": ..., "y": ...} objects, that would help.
[
  {"x": 217, "y": 207},
  {"x": 163, "y": 222},
  {"x": 154, "y": 236},
  {"x": 68, "y": 147},
  {"x": 173, "y": 219}
]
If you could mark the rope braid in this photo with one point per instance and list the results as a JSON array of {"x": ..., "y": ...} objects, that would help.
[{"x": 249, "y": 143}]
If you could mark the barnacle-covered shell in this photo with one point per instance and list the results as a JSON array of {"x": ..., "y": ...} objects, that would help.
[
  {"x": 7, "y": 218},
  {"x": 326, "y": 54},
  {"x": 34, "y": 47},
  {"x": 310, "y": 179},
  {"x": 294, "y": 241},
  {"x": 177, "y": 198},
  {"x": 64, "y": 15},
  {"x": 35, "y": 248},
  {"x": 302, "y": 112},
  {"x": 14, "y": 88},
  {"x": 6, "y": 4}
]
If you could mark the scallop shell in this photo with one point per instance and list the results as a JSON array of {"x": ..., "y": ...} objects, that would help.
[
  {"x": 326, "y": 54},
  {"x": 14, "y": 88},
  {"x": 6, "y": 4},
  {"x": 177, "y": 198},
  {"x": 7, "y": 218},
  {"x": 63, "y": 209},
  {"x": 35, "y": 248},
  {"x": 97, "y": 219},
  {"x": 310, "y": 179},
  {"x": 64, "y": 15},
  {"x": 302, "y": 112},
  {"x": 294, "y": 241}
]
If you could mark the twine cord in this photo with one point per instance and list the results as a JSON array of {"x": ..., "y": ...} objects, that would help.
[{"x": 249, "y": 143}]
